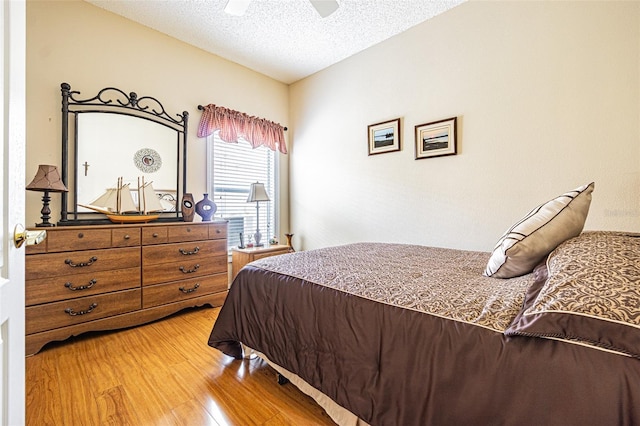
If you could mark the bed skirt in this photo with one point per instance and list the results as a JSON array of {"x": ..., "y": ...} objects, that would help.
[{"x": 338, "y": 414}]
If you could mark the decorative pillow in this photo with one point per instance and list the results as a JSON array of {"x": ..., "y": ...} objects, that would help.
[
  {"x": 534, "y": 236},
  {"x": 592, "y": 295}
]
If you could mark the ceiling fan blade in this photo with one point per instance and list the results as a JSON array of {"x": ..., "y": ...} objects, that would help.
[
  {"x": 325, "y": 7},
  {"x": 237, "y": 7}
]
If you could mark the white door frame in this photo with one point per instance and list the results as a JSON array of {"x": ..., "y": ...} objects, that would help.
[{"x": 12, "y": 208}]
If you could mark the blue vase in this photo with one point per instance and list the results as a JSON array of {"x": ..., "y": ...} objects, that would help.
[{"x": 206, "y": 208}]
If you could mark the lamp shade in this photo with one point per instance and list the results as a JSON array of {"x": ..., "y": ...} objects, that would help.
[
  {"x": 47, "y": 179},
  {"x": 257, "y": 193}
]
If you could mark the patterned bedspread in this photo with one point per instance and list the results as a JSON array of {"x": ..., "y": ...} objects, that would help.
[{"x": 438, "y": 281}]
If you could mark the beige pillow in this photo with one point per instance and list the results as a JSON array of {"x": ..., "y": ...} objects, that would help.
[{"x": 533, "y": 237}]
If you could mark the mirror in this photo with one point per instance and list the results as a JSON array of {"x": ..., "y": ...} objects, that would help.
[
  {"x": 120, "y": 144},
  {"x": 115, "y": 146}
]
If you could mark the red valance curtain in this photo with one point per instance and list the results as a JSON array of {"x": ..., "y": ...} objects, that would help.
[{"x": 234, "y": 124}]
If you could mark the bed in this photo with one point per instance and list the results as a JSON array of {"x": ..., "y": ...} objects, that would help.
[{"x": 397, "y": 334}]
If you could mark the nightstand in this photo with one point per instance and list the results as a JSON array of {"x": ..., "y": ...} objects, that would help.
[{"x": 242, "y": 256}]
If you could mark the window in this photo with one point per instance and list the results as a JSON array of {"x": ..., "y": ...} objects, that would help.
[{"x": 232, "y": 168}]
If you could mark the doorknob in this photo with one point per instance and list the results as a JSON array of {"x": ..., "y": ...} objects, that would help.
[{"x": 20, "y": 236}]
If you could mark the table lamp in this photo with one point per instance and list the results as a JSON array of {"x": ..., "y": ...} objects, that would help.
[
  {"x": 257, "y": 193},
  {"x": 47, "y": 180}
]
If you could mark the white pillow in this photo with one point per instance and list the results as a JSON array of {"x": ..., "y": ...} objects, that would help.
[{"x": 534, "y": 236}]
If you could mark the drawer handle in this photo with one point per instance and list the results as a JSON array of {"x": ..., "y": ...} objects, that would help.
[
  {"x": 155, "y": 235},
  {"x": 81, "y": 264},
  {"x": 189, "y": 290},
  {"x": 187, "y": 252},
  {"x": 126, "y": 237},
  {"x": 188, "y": 271},
  {"x": 73, "y": 313},
  {"x": 81, "y": 287}
]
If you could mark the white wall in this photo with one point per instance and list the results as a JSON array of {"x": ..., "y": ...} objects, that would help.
[
  {"x": 547, "y": 96},
  {"x": 90, "y": 48}
]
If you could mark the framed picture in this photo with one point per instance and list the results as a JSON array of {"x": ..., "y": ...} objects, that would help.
[
  {"x": 384, "y": 137},
  {"x": 436, "y": 139}
]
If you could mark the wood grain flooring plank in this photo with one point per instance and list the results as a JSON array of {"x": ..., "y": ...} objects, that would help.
[
  {"x": 93, "y": 355},
  {"x": 280, "y": 419},
  {"x": 42, "y": 391},
  {"x": 115, "y": 408},
  {"x": 151, "y": 408},
  {"x": 192, "y": 413},
  {"x": 76, "y": 390}
]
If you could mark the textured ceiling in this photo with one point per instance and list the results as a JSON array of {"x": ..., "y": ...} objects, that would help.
[{"x": 284, "y": 39}]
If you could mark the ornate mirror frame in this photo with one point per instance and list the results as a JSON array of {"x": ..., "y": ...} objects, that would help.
[{"x": 113, "y": 102}]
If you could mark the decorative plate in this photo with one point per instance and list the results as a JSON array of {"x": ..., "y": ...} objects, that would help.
[{"x": 147, "y": 160}]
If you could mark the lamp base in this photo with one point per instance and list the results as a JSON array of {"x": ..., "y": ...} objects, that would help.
[
  {"x": 45, "y": 212},
  {"x": 257, "y": 237},
  {"x": 45, "y": 225}
]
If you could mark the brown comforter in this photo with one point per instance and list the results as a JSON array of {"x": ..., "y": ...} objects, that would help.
[{"x": 411, "y": 335}]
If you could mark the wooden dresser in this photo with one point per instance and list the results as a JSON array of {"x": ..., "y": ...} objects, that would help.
[{"x": 87, "y": 278}]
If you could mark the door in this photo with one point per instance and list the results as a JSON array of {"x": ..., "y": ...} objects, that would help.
[{"x": 12, "y": 198}]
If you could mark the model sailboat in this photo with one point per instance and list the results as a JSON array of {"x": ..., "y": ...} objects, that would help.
[{"x": 117, "y": 203}]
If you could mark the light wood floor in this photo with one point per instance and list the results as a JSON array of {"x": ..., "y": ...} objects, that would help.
[{"x": 162, "y": 373}]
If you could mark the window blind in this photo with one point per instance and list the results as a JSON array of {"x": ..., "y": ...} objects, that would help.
[{"x": 233, "y": 167}]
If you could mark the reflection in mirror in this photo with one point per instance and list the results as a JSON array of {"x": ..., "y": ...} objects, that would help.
[{"x": 115, "y": 146}]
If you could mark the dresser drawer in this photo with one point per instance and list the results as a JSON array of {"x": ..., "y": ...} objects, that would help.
[
  {"x": 64, "y": 287},
  {"x": 37, "y": 248},
  {"x": 75, "y": 311},
  {"x": 155, "y": 235},
  {"x": 184, "y": 269},
  {"x": 78, "y": 239},
  {"x": 218, "y": 230},
  {"x": 125, "y": 237},
  {"x": 161, "y": 294},
  {"x": 54, "y": 264},
  {"x": 186, "y": 252},
  {"x": 187, "y": 233}
]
